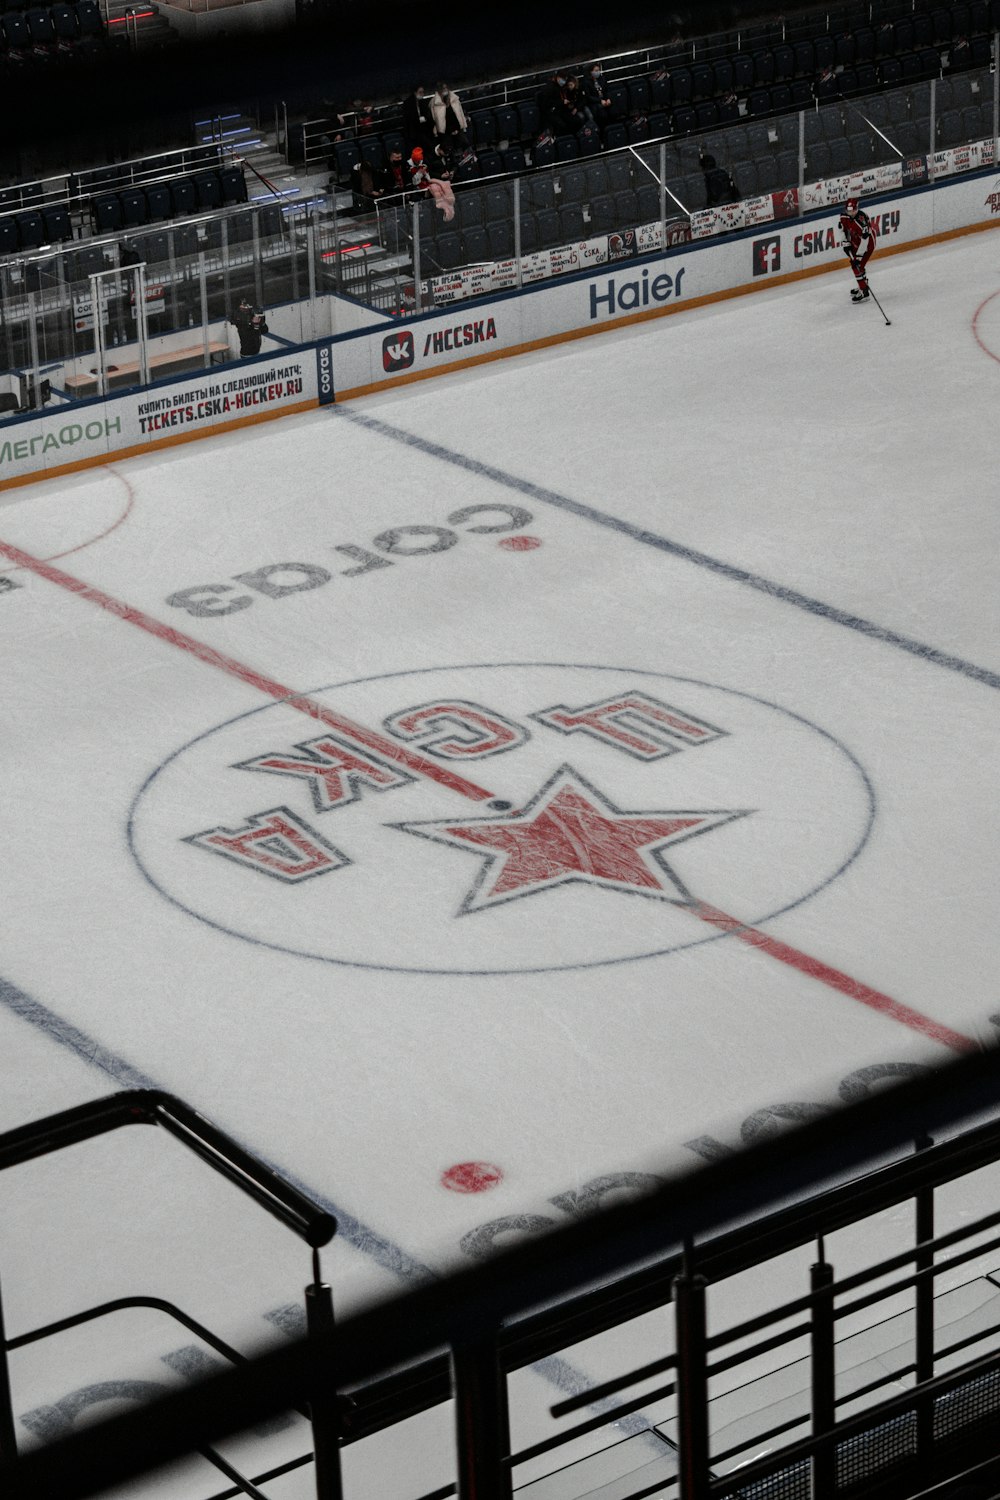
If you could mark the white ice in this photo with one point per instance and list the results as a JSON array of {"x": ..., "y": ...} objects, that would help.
[{"x": 338, "y": 1027}]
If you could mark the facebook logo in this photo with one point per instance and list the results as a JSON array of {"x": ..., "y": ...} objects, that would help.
[{"x": 767, "y": 255}]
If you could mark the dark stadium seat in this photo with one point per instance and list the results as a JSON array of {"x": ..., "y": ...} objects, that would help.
[
  {"x": 483, "y": 125},
  {"x": 58, "y": 224},
  {"x": 763, "y": 69},
  {"x": 841, "y": 158},
  {"x": 549, "y": 228},
  {"x": 65, "y": 23},
  {"x": 106, "y": 213},
  {"x": 626, "y": 207},
  {"x": 567, "y": 148},
  {"x": 543, "y": 153},
  {"x": 233, "y": 184},
  {"x": 153, "y": 248},
  {"x": 759, "y": 102},
  {"x": 571, "y": 225},
  {"x": 449, "y": 250},
  {"x": 135, "y": 209},
  {"x": 208, "y": 189},
  {"x": 40, "y": 26},
  {"x": 824, "y": 53},
  {"x": 742, "y": 73},
  {"x": 88, "y": 17},
  {"x": 639, "y": 98},
  {"x": 706, "y": 115},
  {"x": 722, "y": 70},
  {"x": 513, "y": 160},
  {"x": 891, "y": 71},
  {"x": 184, "y": 197},
  {"x": 647, "y": 203},
  {"x": 345, "y": 156},
  {"x": 475, "y": 245},
  {"x": 8, "y": 235},
  {"x": 158, "y": 201},
  {"x": 499, "y": 204},
  {"x": 15, "y": 32},
  {"x": 784, "y": 62},
  {"x": 941, "y": 22},
  {"x": 602, "y": 214},
  {"x": 500, "y": 238},
  {"x": 530, "y": 122},
  {"x": 572, "y": 186},
  {"x": 30, "y": 229},
  {"x": 616, "y": 137},
  {"x": 685, "y": 120},
  {"x": 469, "y": 208},
  {"x": 618, "y": 95},
  {"x": 818, "y": 160},
  {"x": 529, "y": 234}
]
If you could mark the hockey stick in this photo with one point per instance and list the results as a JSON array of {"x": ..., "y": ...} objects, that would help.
[
  {"x": 859, "y": 272},
  {"x": 878, "y": 305}
]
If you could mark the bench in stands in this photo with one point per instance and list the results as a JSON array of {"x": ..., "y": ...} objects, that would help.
[{"x": 174, "y": 360}]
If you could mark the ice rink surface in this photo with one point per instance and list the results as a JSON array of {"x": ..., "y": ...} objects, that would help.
[{"x": 472, "y": 796}]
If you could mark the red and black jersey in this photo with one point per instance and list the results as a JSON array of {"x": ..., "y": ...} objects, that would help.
[{"x": 858, "y": 232}]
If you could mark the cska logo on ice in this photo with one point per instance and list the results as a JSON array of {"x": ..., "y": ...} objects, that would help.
[{"x": 500, "y": 818}]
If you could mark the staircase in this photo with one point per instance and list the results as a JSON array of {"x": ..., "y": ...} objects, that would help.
[
  {"x": 138, "y": 25},
  {"x": 268, "y": 175}
]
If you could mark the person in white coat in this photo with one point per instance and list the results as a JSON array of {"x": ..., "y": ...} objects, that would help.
[{"x": 450, "y": 123}]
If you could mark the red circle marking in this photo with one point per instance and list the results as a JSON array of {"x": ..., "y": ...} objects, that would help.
[
  {"x": 81, "y": 546},
  {"x": 975, "y": 327},
  {"x": 521, "y": 543},
  {"x": 471, "y": 1177}
]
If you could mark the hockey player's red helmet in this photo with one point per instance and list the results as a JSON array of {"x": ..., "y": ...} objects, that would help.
[{"x": 852, "y": 205}]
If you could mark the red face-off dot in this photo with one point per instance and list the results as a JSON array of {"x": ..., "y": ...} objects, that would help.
[
  {"x": 471, "y": 1177},
  {"x": 521, "y": 543}
]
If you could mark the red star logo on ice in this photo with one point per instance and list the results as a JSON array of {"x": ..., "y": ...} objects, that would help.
[{"x": 569, "y": 831}]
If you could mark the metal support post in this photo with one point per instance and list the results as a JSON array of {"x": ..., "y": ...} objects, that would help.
[
  {"x": 323, "y": 1403},
  {"x": 924, "y": 1307},
  {"x": 692, "y": 1384},
  {"x": 311, "y": 263},
  {"x": 482, "y": 1427},
  {"x": 517, "y": 227},
  {"x": 996, "y": 98},
  {"x": 258, "y": 262},
  {"x": 822, "y": 1359},
  {"x": 663, "y": 195},
  {"x": 203, "y": 289},
  {"x": 932, "y": 124},
  {"x": 802, "y": 151},
  {"x": 418, "y": 301},
  {"x": 141, "y": 322},
  {"x": 8, "y": 1435}
]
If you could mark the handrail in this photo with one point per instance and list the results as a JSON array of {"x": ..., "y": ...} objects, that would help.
[
  {"x": 413, "y": 1328},
  {"x": 153, "y": 1107}
]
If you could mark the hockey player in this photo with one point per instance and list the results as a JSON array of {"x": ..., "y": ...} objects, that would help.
[{"x": 858, "y": 232}]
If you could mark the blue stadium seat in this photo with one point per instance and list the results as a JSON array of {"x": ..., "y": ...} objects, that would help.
[
  {"x": 824, "y": 53},
  {"x": 543, "y": 153},
  {"x": 619, "y": 174},
  {"x": 722, "y": 71},
  {"x": 469, "y": 209},
  {"x": 627, "y": 207},
  {"x": 685, "y": 120},
  {"x": 513, "y": 160},
  {"x": 639, "y": 96},
  {"x": 602, "y": 214},
  {"x": 941, "y": 22},
  {"x": 572, "y": 186},
  {"x": 40, "y": 26},
  {"x": 541, "y": 191},
  {"x": 571, "y": 225},
  {"x": 530, "y": 122},
  {"x": 660, "y": 92},
  {"x": 507, "y": 122},
  {"x": 8, "y": 235},
  {"x": 233, "y": 184},
  {"x": 742, "y": 73},
  {"x": 15, "y": 32},
  {"x": 499, "y": 204},
  {"x": 30, "y": 229},
  {"x": 208, "y": 190},
  {"x": 183, "y": 196},
  {"x": 476, "y": 245},
  {"x": 567, "y": 148},
  {"x": 58, "y": 224},
  {"x": 88, "y": 17},
  {"x": 65, "y": 23},
  {"x": 840, "y": 156},
  {"x": 158, "y": 201},
  {"x": 549, "y": 228},
  {"x": 618, "y": 95},
  {"x": 784, "y": 62},
  {"x": 449, "y": 250},
  {"x": 647, "y": 199},
  {"x": 483, "y": 125},
  {"x": 346, "y": 156},
  {"x": 529, "y": 234},
  {"x": 615, "y": 137},
  {"x": 135, "y": 209},
  {"x": 818, "y": 160},
  {"x": 500, "y": 238},
  {"x": 106, "y": 213},
  {"x": 763, "y": 69},
  {"x": 759, "y": 102},
  {"x": 781, "y": 98}
]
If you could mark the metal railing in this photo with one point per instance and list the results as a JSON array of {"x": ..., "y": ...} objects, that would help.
[
  {"x": 253, "y": 1177},
  {"x": 676, "y": 1244}
]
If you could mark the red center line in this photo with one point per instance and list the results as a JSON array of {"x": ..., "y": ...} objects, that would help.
[
  {"x": 815, "y": 969},
  {"x": 369, "y": 738},
  {"x": 894, "y": 1009}
]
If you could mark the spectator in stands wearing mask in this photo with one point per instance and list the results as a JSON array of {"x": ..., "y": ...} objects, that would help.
[
  {"x": 550, "y": 105},
  {"x": 251, "y": 325},
  {"x": 397, "y": 180},
  {"x": 449, "y": 121},
  {"x": 595, "y": 95}
]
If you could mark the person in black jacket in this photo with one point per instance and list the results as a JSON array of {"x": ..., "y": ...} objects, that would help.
[
  {"x": 418, "y": 122},
  {"x": 251, "y": 325},
  {"x": 719, "y": 186}
]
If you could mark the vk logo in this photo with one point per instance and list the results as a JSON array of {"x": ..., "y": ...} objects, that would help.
[{"x": 397, "y": 351}]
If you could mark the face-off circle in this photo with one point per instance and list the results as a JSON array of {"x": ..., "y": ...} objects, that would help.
[{"x": 610, "y": 802}]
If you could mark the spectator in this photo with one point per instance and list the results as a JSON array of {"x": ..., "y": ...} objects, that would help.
[
  {"x": 826, "y": 85},
  {"x": 251, "y": 325},
  {"x": 438, "y": 188},
  {"x": 450, "y": 123},
  {"x": 719, "y": 186},
  {"x": 577, "y": 110},
  {"x": 367, "y": 186},
  {"x": 551, "y": 107},
  {"x": 595, "y": 96},
  {"x": 418, "y": 122},
  {"x": 396, "y": 178}
]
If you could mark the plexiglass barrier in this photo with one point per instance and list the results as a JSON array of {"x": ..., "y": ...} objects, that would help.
[{"x": 78, "y": 320}]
